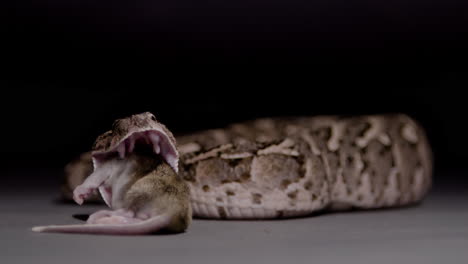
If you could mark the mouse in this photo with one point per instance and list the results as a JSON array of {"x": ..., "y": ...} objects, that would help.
[{"x": 136, "y": 174}]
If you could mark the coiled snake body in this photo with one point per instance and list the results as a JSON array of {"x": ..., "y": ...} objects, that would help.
[
  {"x": 272, "y": 168},
  {"x": 277, "y": 168}
]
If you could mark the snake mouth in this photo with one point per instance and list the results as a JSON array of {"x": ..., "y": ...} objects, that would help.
[{"x": 151, "y": 141}]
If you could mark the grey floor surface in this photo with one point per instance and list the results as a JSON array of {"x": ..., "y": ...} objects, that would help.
[{"x": 433, "y": 232}]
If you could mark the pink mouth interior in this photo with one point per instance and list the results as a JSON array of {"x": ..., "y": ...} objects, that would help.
[{"x": 152, "y": 141}]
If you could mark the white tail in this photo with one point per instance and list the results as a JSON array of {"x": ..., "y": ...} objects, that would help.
[{"x": 151, "y": 225}]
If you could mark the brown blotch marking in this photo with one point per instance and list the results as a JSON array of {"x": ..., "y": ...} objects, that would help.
[
  {"x": 230, "y": 193},
  {"x": 350, "y": 159},
  {"x": 222, "y": 212},
  {"x": 359, "y": 197},
  {"x": 314, "y": 197},
  {"x": 301, "y": 174},
  {"x": 245, "y": 176},
  {"x": 301, "y": 168},
  {"x": 349, "y": 191},
  {"x": 324, "y": 133},
  {"x": 279, "y": 214},
  {"x": 219, "y": 199},
  {"x": 285, "y": 184},
  {"x": 293, "y": 195},
  {"x": 347, "y": 130},
  {"x": 359, "y": 181},
  {"x": 256, "y": 198},
  {"x": 363, "y": 151},
  {"x": 206, "y": 188},
  {"x": 308, "y": 185},
  {"x": 234, "y": 162},
  {"x": 226, "y": 181},
  {"x": 384, "y": 150}
]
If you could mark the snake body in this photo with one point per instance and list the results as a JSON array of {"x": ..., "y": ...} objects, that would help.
[
  {"x": 277, "y": 168},
  {"x": 287, "y": 167}
]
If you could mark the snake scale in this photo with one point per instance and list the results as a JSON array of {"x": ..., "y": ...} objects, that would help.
[{"x": 288, "y": 167}]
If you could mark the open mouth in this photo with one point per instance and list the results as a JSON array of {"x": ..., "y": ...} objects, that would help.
[{"x": 148, "y": 141}]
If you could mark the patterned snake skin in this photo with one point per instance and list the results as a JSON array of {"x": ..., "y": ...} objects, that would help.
[
  {"x": 275, "y": 168},
  {"x": 278, "y": 168}
]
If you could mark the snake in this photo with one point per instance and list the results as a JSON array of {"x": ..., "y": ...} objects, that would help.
[{"x": 284, "y": 167}]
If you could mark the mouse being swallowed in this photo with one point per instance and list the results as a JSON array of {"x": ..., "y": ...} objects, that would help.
[{"x": 136, "y": 173}]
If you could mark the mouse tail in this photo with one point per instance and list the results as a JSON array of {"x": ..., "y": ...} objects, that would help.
[{"x": 147, "y": 226}]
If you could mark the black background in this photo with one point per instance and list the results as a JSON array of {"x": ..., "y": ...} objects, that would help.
[{"x": 70, "y": 69}]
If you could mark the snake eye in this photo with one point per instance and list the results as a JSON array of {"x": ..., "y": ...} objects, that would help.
[{"x": 153, "y": 118}]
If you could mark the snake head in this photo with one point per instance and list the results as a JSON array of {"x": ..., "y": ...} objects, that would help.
[{"x": 141, "y": 132}]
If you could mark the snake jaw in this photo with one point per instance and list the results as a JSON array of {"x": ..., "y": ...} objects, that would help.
[{"x": 153, "y": 140}]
